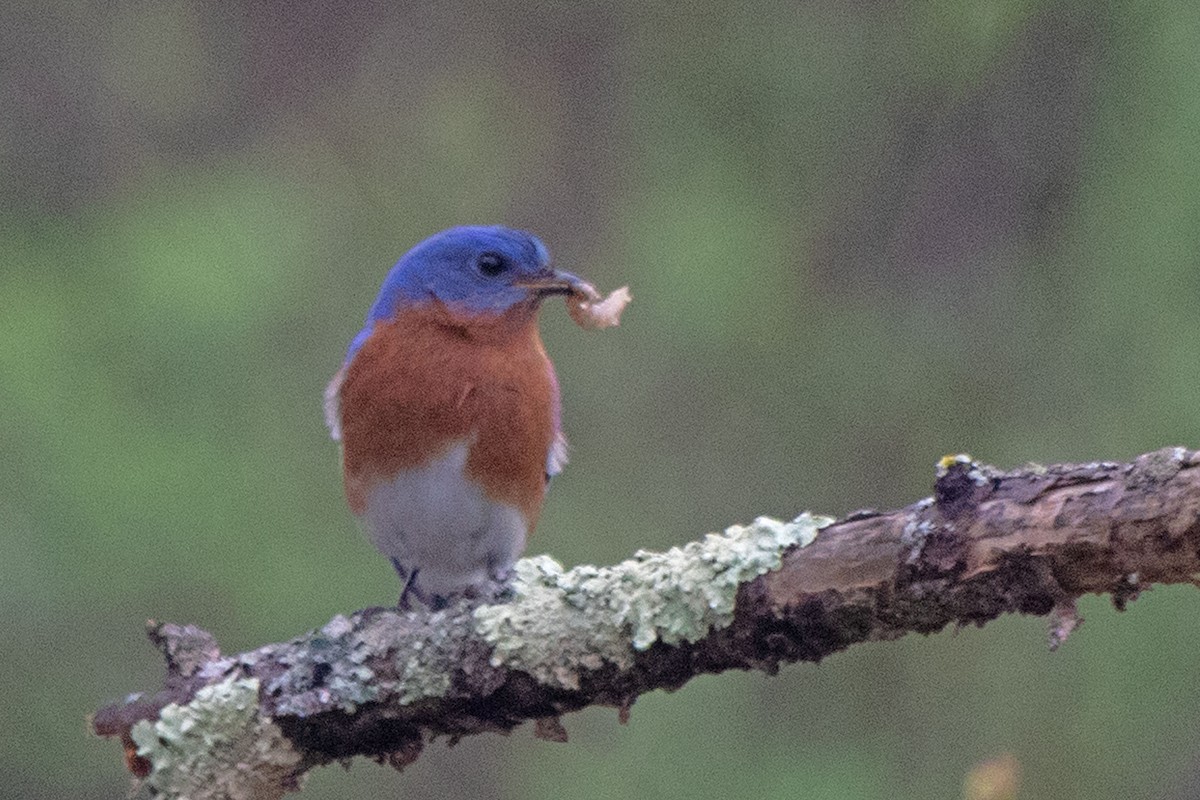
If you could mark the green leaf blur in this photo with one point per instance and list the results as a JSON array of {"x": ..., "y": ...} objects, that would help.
[{"x": 859, "y": 236}]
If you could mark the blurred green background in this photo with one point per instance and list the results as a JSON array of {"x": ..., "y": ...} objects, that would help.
[{"x": 859, "y": 235}]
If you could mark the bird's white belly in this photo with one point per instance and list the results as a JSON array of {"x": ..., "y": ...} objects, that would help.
[{"x": 434, "y": 520}]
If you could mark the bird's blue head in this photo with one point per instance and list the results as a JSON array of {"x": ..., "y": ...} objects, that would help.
[{"x": 480, "y": 270}]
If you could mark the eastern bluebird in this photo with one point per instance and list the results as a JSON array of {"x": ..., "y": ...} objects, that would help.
[{"x": 447, "y": 409}]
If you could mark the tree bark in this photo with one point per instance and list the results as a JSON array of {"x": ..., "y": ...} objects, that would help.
[{"x": 382, "y": 682}]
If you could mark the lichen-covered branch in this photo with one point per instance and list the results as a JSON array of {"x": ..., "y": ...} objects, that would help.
[{"x": 382, "y": 682}]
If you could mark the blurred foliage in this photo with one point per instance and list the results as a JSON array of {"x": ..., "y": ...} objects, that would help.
[{"x": 859, "y": 236}]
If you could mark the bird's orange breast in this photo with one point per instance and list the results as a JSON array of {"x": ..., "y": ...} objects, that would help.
[{"x": 429, "y": 379}]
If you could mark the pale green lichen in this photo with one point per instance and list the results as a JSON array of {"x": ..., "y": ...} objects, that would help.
[
  {"x": 562, "y": 622},
  {"x": 323, "y": 673},
  {"x": 336, "y": 667},
  {"x": 425, "y": 665},
  {"x": 217, "y": 746}
]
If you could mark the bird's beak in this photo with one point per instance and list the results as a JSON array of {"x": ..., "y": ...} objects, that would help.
[{"x": 555, "y": 281}]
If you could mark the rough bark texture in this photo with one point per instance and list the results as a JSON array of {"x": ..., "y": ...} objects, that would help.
[{"x": 987, "y": 543}]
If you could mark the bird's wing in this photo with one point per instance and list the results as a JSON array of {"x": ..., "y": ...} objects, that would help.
[
  {"x": 333, "y": 405},
  {"x": 556, "y": 459}
]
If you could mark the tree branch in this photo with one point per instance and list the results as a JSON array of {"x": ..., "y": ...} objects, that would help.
[{"x": 382, "y": 682}]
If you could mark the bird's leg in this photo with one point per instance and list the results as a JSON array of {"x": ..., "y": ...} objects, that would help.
[
  {"x": 499, "y": 588},
  {"x": 410, "y": 592},
  {"x": 498, "y": 592},
  {"x": 408, "y": 578}
]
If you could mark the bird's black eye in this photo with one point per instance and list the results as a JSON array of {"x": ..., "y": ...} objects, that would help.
[{"x": 491, "y": 265}]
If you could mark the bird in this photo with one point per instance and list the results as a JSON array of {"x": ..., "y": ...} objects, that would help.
[{"x": 448, "y": 412}]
